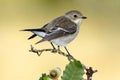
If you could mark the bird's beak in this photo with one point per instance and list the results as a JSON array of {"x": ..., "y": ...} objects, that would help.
[{"x": 83, "y": 17}]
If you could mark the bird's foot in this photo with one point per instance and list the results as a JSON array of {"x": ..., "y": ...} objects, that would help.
[
  {"x": 54, "y": 50},
  {"x": 61, "y": 52}
]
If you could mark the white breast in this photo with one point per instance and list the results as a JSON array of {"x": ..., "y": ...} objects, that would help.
[{"x": 63, "y": 41}]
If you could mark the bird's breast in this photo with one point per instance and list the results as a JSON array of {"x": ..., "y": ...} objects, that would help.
[{"x": 63, "y": 41}]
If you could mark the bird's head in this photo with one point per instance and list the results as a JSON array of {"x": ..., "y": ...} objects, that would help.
[{"x": 75, "y": 16}]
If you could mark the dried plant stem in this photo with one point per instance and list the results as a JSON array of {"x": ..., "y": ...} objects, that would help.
[
  {"x": 89, "y": 71},
  {"x": 39, "y": 52}
]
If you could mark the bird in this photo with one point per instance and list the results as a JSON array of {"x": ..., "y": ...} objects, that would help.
[{"x": 61, "y": 30}]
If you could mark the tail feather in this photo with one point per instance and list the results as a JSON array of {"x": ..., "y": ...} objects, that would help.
[
  {"x": 37, "y": 32},
  {"x": 33, "y": 30},
  {"x": 34, "y": 35},
  {"x": 40, "y": 41}
]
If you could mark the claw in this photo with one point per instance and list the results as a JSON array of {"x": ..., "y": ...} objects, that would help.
[{"x": 54, "y": 51}]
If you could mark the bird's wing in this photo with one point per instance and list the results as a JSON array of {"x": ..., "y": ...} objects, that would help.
[{"x": 60, "y": 30}]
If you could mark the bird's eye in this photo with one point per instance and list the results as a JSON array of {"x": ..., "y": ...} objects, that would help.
[{"x": 75, "y": 16}]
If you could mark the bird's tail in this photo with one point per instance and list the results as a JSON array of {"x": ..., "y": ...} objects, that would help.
[
  {"x": 40, "y": 41},
  {"x": 33, "y": 30},
  {"x": 34, "y": 35},
  {"x": 37, "y": 32}
]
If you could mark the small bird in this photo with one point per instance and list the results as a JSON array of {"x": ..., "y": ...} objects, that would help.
[{"x": 61, "y": 30}]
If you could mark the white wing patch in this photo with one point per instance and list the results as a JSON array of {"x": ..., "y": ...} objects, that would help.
[
  {"x": 57, "y": 29},
  {"x": 41, "y": 34}
]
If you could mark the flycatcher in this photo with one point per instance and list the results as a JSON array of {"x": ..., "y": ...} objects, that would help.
[{"x": 60, "y": 31}]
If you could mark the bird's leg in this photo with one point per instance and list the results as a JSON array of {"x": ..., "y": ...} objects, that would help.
[
  {"x": 54, "y": 49},
  {"x": 59, "y": 48},
  {"x": 69, "y": 55},
  {"x": 60, "y": 52}
]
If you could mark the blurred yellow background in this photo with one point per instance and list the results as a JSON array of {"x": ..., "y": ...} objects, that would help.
[{"x": 97, "y": 45}]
